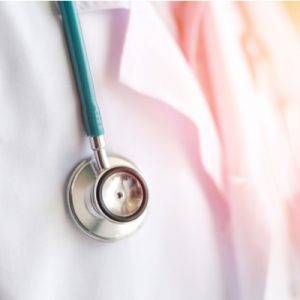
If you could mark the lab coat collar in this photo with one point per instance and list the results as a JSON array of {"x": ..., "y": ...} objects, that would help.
[{"x": 90, "y": 6}]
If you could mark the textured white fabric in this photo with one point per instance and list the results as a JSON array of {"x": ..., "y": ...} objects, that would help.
[{"x": 176, "y": 255}]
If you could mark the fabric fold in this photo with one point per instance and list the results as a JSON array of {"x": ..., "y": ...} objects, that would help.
[{"x": 153, "y": 65}]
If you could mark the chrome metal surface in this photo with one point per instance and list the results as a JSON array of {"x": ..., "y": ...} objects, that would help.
[
  {"x": 88, "y": 217},
  {"x": 98, "y": 146},
  {"x": 122, "y": 194}
]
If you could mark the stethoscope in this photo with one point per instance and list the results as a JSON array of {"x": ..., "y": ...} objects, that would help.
[{"x": 107, "y": 196}]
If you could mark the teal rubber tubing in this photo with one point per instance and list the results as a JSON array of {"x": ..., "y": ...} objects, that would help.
[{"x": 90, "y": 110}]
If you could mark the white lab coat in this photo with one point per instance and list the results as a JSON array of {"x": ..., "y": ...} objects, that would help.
[
  {"x": 154, "y": 113},
  {"x": 222, "y": 172}
]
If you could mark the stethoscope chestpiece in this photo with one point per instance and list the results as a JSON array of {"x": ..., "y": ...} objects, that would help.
[
  {"x": 121, "y": 194},
  {"x": 108, "y": 205}
]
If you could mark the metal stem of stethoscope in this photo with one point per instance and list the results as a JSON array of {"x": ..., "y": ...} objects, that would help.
[{"x": 107, "y": 196}]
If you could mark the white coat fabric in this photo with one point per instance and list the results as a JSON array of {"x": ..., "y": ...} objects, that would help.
[
  {"x": 188, "y": 93},
  {"x": 141, "y": 78}
]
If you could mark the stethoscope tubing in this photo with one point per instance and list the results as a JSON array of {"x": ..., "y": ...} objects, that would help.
[{"x": 90, "y": 110}]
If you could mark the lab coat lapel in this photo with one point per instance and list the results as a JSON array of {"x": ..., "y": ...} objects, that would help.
[{"x": 152, "y": 64}]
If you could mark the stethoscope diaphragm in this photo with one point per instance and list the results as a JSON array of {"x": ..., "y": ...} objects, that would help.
[{"x": 121, "y": 194}]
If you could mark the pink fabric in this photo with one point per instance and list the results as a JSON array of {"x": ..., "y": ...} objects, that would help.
[{"x": 246, "y": 59}]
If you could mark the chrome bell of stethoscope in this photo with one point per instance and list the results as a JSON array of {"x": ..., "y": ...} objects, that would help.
[{"x": 107, "y": 196}]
